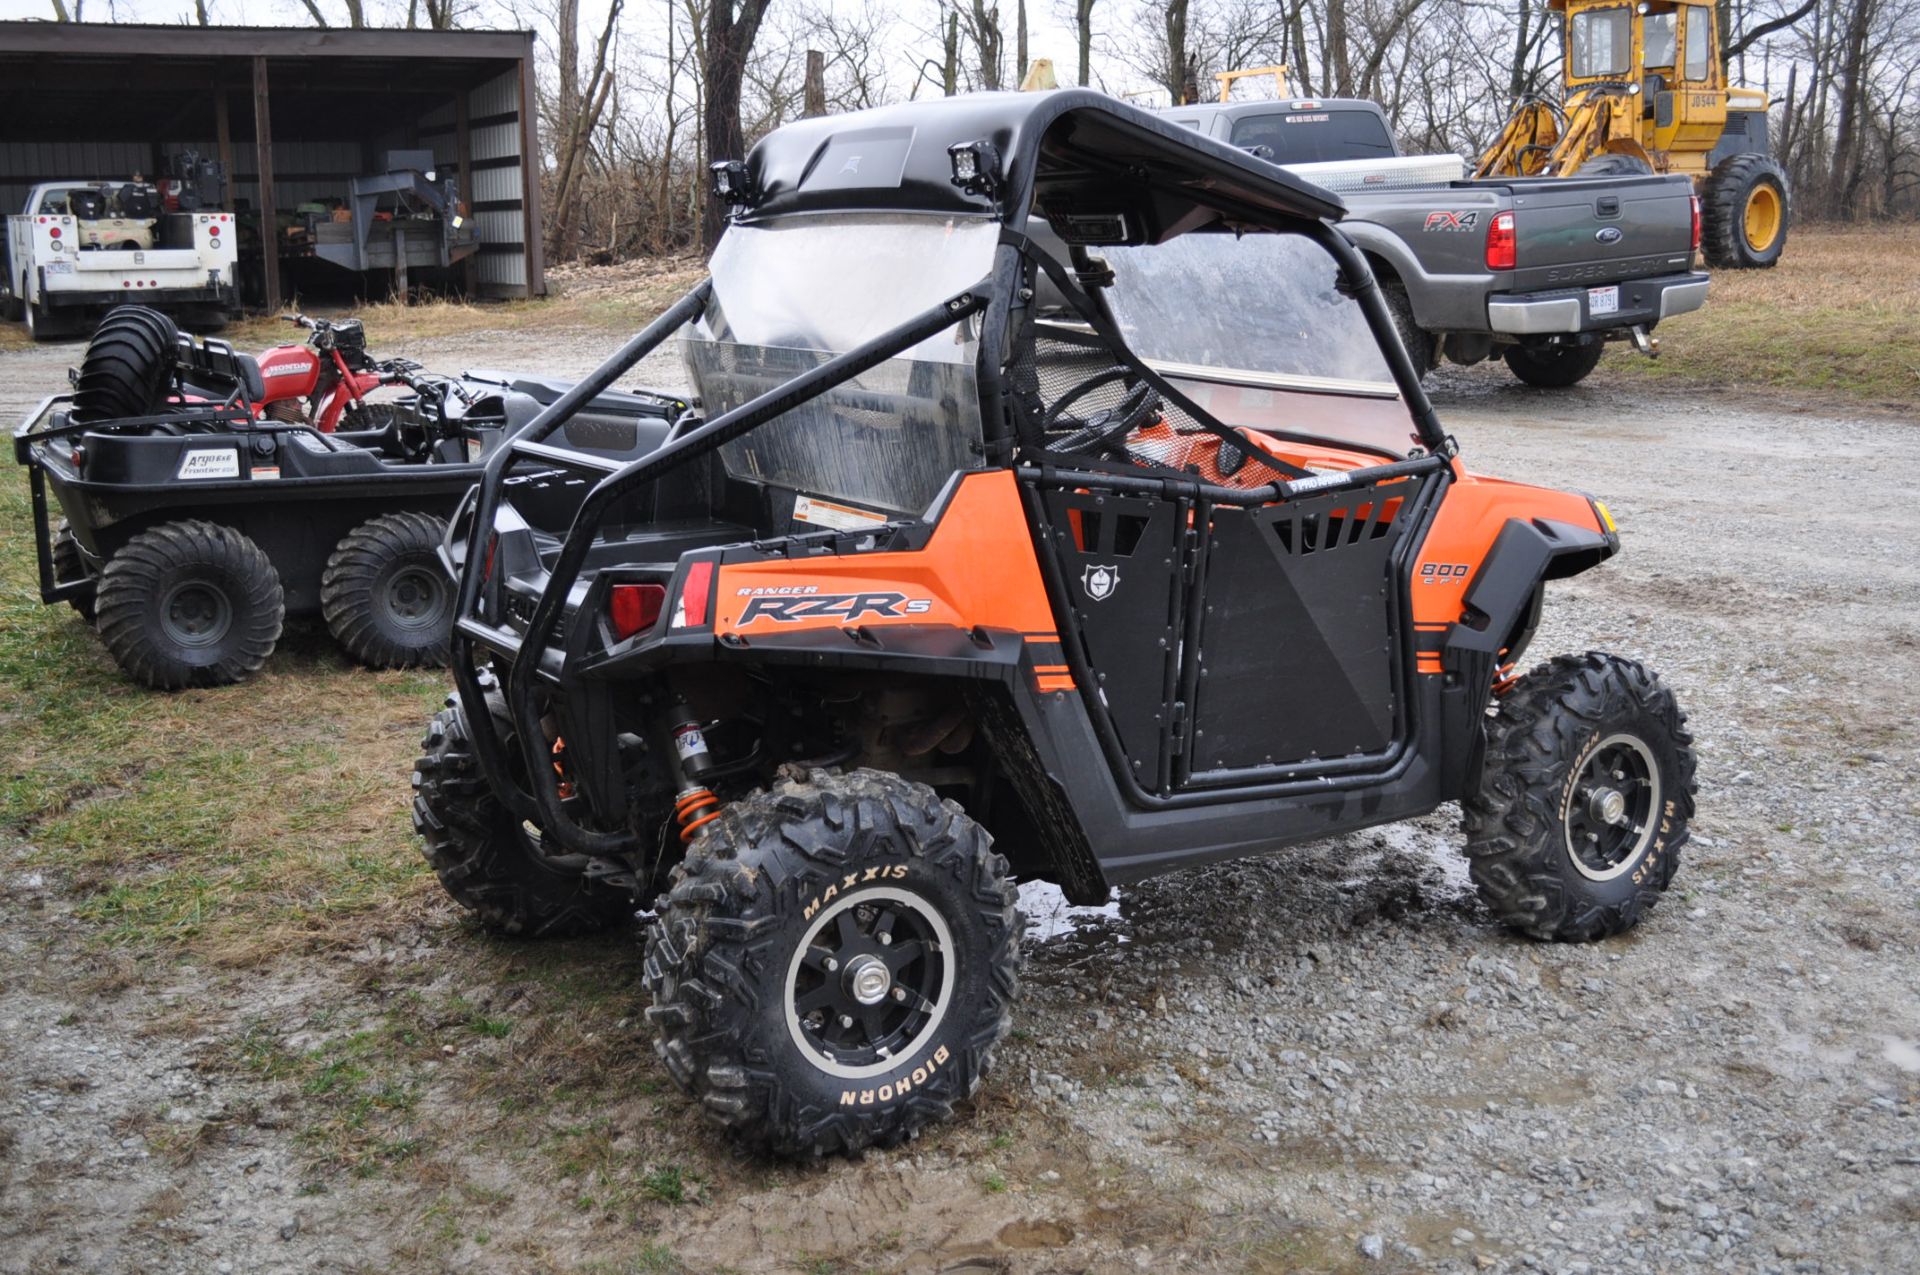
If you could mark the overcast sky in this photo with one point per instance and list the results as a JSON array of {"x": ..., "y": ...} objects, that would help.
[{"x": 1048, "y": 36}]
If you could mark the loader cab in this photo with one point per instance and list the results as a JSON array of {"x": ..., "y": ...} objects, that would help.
[{"x": 1668, "y": 54}]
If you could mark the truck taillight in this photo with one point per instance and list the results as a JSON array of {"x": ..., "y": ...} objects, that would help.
[
  {"x": 53, "y": 232},
  {"x": 634, "y": 608},
  {"x": 1696, "y": 222},
  {"x": 1502, "y": 250}
]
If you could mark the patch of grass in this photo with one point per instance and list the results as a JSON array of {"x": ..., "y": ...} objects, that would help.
[
  {"x": 667, "y": 1184},
  {"x": 1835, "y": 317},
  {"x": 995, "y": 1183},
  {"x": 231, "y": 825}
]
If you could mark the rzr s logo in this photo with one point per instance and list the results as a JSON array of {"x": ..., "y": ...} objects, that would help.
[
  {"x": 845, "y": 607},
  {"x": 1100, "y": 581},
  {"x": 1453, "y": 221}
]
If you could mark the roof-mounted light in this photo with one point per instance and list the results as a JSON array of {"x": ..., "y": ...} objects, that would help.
[
  {"x": 731, "y": 184},
  {"x": 976, "y": 167}
]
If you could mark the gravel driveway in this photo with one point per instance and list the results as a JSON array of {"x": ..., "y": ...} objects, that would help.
[{"x": 1329, "y": 1059}]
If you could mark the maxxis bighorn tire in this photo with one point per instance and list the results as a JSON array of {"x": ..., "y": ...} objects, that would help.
[
  {"x": 385, "y": 597},
  {"x": 189, "y": 604},
  {"x": 1553, "y": 367},
  {"x": 1745, "y": 213},
  {"x": 486, "y": 857},
  {"x": 1546, "y": 853},
  {"x": 775, "y": 916},
  {"x": 69, "y": 564},
  {"x": 127, "y": 365}
]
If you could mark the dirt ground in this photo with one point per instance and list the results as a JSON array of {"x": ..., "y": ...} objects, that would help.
[{"x": 1331, "y": 1059}]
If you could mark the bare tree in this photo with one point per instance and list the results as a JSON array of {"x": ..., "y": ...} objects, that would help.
[{"x": 730, "y": 34}]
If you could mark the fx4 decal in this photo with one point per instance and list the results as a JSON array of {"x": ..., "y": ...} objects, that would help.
[
  {"x": 1458, "y": 222},
  {"x": 846, "y": 607}
]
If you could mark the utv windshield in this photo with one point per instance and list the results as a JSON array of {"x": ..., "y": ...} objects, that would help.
[
  {"x": 1254, "y": 329},
  {"x": 791, "y": 294}
]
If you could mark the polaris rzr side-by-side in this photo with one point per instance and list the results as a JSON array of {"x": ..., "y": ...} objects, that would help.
[
  {"x": 1061, "y": 505},
  {"x": 199, "y": 507}
]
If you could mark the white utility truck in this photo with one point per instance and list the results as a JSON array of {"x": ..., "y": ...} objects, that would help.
[{"x": 82, "y": 247}]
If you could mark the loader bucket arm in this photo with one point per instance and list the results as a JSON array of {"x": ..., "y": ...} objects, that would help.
[{"x": 1524, "y": 143}]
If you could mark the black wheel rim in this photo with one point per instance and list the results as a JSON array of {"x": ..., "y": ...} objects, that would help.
[
  {"x": 870, "y": 982},
  {"x": 195, "y": 614},
  {"x": 415, "y": 598},
  {"x": 1611, "y": 807}
]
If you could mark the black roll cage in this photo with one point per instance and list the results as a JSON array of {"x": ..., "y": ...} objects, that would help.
[{"x": 996, "y": 295}]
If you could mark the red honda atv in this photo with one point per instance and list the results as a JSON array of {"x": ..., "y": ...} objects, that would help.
[{"x": 326, "y": 378}]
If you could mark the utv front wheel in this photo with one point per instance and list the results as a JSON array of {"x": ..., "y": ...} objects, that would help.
[
  {"x": 835, "y": 962},
  {"x": 489, "y": 860},
  {"x": 1584, "y": 799},
  {"x": 189, "y": 604}
]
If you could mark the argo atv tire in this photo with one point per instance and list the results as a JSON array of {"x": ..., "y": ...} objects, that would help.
[
  {"x": 1553, "y": 367},
  {"x": 127, "y": 365},
  {"x": 70, "y": 565},
  {"x": 384, "y": 594},
  {"x": 189, "y": 604},
  {"x": 835, "y": 962},
  {"x": 1745, "y": 212},
  {"x": 486, "y": 857},
  {"x": 1584, "y": 800}
]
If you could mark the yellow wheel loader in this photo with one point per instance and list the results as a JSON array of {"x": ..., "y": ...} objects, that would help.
[{"x": 1645, "y": 92}]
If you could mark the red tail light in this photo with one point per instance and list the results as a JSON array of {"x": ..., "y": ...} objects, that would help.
[
  {"x": 1696, "y": 222},
  {"x": 694, "y": 595},
  {"x": 634, "y": 608},
  {"x": 1502, "y": 252},
  {"x": 54, "y": 233}
]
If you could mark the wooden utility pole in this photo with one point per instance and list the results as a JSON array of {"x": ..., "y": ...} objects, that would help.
[
  {"x": 816, "y": 88},
  {"x": 263, "y": 162}
]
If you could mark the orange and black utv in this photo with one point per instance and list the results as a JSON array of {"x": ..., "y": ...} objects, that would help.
[{"x": 1059, "y": 504}]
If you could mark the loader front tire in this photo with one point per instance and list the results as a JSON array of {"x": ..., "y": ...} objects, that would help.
[{"x": 1745, "y": 211}]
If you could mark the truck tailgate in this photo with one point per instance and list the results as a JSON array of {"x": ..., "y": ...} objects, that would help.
[{"x": 1576, "y": 230}]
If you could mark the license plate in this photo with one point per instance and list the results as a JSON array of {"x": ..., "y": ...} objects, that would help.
[
  {"x": 1603, "y": 300},
  {"x": 59, "y": 267}
]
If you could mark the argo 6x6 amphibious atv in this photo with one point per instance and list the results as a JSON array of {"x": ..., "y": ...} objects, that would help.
[
  {"x": 1062, "y": 505},
  {"x": 196, "y": 514}
]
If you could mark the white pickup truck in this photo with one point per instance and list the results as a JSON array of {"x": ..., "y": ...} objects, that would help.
[{"x": 83, "y": 247}]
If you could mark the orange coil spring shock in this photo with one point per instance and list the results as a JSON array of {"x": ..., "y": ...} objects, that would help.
[{"x": 693, "y": 810}]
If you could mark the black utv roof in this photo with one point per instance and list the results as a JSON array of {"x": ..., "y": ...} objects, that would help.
[{"x": 1065, "y": 153}]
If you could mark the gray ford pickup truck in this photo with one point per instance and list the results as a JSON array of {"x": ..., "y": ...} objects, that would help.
[{"x": 1543, "y": 271}]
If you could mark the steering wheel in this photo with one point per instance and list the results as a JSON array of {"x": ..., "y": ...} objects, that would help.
[{"x": 1104, "y": 430}]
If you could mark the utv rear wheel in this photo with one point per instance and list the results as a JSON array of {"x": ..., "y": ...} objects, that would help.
[
  {"x": 189, "y": 604},
  {"x": 1553, "y": 367},
  {"x": 127, "y": 365},
  {"x": 1584, "y": 800},
  {"x": 384, "y": 594},
  {"x": 489, "y": 860},
  {"x": 69, "y": 564},
  {"x": 835, "y": 963}
]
